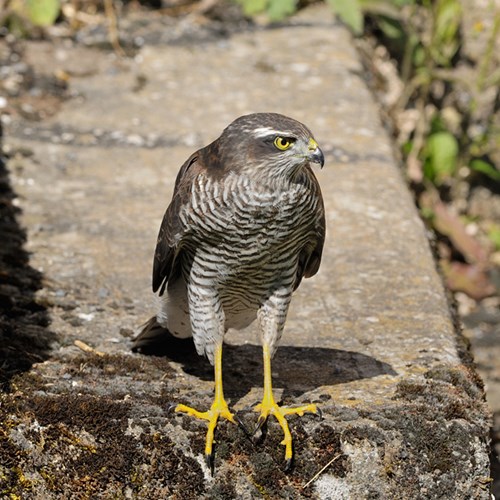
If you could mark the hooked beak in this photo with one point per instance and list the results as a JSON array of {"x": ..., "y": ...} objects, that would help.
[{"x": 315, "y": 153}]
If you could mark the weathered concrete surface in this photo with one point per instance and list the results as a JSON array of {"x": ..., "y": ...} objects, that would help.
[{"x": 371, "y": 338}]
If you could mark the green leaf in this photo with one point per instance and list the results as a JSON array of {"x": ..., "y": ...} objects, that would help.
[
  {"x": 391, "y": 28},
  {"x": 407, "y": 147},
  {"x": 43, "y": 12},
  {"x": 446, "y": 38},
  {"x": 485, "y": 168},
  {"x": 441, "y": 156},
  {"x": 447, "y": 19},
  {"x": 494, "y": 235},
  {"x": 427, "y": 213},
  {"x": 350, "y": 13},
  {"x": 252, "y": 7},
  {"x": 279, "y": 9},
  {"x": 418, "y": 55}
]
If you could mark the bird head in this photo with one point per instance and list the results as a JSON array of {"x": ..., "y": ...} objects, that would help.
[{"x": 269, "y": 144}]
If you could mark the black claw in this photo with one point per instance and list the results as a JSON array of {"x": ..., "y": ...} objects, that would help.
[
  {"x": 260, "y": 432},
  {"x": 171, "y": 407},
  {"x": 288, "y": 464},
  {"x": 209, "y": 460},
  {"x": 319, "y": 413},
  {"x": 241, "y": 425},
  {"x": 260, "y": 424}
]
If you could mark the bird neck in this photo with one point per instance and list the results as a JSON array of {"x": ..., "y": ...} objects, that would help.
[{"x": 276, "y": 179}]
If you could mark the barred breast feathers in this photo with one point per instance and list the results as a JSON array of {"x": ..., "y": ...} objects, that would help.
[{"x": 239, "y": 211}]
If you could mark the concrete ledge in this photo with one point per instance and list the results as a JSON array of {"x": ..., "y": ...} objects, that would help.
[{"x": 371, "y": 338}]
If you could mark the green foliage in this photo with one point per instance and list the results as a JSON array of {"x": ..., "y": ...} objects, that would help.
[
  {"x": 350, "y": 12},
  {"x": 485, "y": 168},
  {"x": 391, "y": 28},
  {"x": 21, "y": 15},
  {"x": 253, "y": 7},
  {"x": 276, "y": 10},
  {"x": 454, "y": 128},
  {"x": 494, "y": 235},
  {"x": 425, "y": 38},
  {"x": 43, "y": 12},
  {"x": 279, "y": 9},
  {"x": 445, "y": 41},
  {"x": 440, "y": 156}
]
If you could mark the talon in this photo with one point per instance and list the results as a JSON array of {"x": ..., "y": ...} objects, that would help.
[
  {"x": 209, "y": 460},
  {"x": 171, "y": 407},
  {"x": 241, "y": 425},
  {"x": 260, "y": 423},
  {"x": 319, "y": 413},
  {"x": 288, "y": 465}
]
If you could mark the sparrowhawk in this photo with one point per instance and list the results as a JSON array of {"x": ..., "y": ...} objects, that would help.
[{"x": 246, "y": 223}]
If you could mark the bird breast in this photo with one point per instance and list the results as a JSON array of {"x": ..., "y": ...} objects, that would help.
[{"x": 239, "y": 219}]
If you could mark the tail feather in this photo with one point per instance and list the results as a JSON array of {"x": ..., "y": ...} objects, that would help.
[
  {"x": 154, "y": 339},
  {"x": 151, "y": 334}
]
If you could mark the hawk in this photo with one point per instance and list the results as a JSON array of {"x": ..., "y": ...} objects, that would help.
[{"x": 246, "y": 223}]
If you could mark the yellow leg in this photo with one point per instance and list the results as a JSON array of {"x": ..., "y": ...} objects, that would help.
[
  {"x": 218, "y": 409},
  {"x": 268, "y": 407}
]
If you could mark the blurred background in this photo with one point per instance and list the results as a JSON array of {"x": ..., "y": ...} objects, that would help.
[{"x": 434, "y": 67}]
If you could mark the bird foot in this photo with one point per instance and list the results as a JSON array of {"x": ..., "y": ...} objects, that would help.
[
  {"x": 269, "y": 407},
  {"x": 219, "y": 409}
]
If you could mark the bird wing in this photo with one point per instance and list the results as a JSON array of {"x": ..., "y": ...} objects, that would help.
[
  {"x": 172, "y": 228},
  {"x": 310, "y": 256}
]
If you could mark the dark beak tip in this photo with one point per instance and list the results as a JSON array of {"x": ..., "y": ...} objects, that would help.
[{"x": 318, "y": 157}]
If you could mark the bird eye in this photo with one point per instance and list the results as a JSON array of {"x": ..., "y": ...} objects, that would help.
[{"x": 283, "y": 143}]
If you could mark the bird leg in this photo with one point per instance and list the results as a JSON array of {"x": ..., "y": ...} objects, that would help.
[
  {"x": 219, "y": 409},
  {"x": 268, "y": 407}
]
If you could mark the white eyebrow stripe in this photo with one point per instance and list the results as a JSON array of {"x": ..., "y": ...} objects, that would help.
[{"x": 267, "y": 131}]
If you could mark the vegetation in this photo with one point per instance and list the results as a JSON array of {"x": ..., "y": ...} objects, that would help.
[
  {"x": 447, "y": 123},
  {"x": 16, "y": 13}
]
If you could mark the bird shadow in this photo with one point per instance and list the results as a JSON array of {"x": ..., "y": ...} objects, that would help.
[{"x": 295, "y": 369}]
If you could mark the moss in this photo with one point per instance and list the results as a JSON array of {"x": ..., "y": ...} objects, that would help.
[
  {"x": 12, "y": 478},
  {"x": 115, "y": 460},
  {"x": 119, "y": 364},
  {"x": 14, "y": 481},
  {"x": 460, "y": 377},
  {"x": 453, "y": 393},
  {"x": 326, "y": 440},
  {"x": 81, "y": 410},
  {"x": 424, "y": 443},
  {"x": 82, "y": 440},
  {"x": 27, "y": 382},
  {"x": 362, "y": 432},
  {"x": 266, "y": 476},
  {"x": 223, "y": 490}
]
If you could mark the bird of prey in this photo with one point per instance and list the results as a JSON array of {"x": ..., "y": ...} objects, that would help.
[{"x": 246, "y": 223}]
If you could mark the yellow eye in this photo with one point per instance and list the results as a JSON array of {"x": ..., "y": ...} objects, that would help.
[{"x": 283, "y": 143}]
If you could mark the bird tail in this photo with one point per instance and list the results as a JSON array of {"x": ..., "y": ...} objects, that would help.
[{"x": 150, "y": 335}]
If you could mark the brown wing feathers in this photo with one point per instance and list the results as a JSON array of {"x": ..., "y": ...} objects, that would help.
[{"x": 171, "y": 229}]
